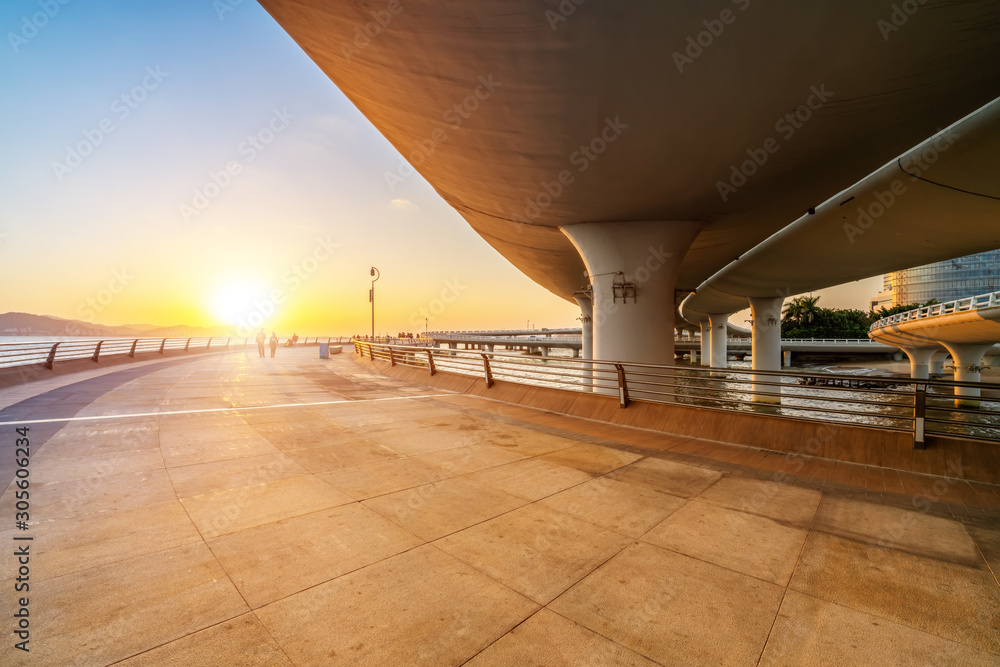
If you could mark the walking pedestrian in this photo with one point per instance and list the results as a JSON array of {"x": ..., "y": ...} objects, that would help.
[
  {"x": 261, "y": 339},
  {"x": 274, "y": 343}
]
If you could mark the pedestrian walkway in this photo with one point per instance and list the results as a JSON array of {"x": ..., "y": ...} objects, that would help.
[{"x": 298, "y": 511}]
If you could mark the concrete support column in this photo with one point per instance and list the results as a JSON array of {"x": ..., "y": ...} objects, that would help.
[
  {"x": 765, "y": 312},
  {"x": 786, "y": 358},
  {"x": 936, "y": 363},
  {"x": 645, "y": 255},
  {"x": 706, "y": 344},
  {"x": 968, "y": 368},
  {"x": 694, "y": 357},
  {"x": 719, "y": 323},
  {"x": 920, "y": 359}
]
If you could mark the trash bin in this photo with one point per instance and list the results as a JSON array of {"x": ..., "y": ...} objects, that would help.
[{"x": 324, "y": 350}]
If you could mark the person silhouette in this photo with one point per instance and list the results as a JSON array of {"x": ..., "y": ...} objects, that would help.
[
  {"x": 274, "y": 343},
  {"x": 261, "y": 338}
]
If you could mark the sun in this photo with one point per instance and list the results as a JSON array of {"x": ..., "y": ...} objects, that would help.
[{"x": 235, "y": 300}]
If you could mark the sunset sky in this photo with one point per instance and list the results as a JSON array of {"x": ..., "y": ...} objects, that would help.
[{"x": 196, "y": 166}]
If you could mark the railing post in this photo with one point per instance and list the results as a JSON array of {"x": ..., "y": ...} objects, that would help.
[
  {"x": 131, "y": 352},
  {"x": 187, "y": 345},
  {"x": 919, "y": 414},
  {"x": 97, "y": 351},
  {"x": 162, "y": 345},
  {"x": 489, "y": 373},
  {"x": 392, "y": 357},
  {"x": 227, "y": 343},
  {"x": 209, "y": 346},
  {"x": 371, "y": 351},
  {"x": 430, "y": 361},
  {"x": 623, "y": 399},
  {"x": 52, "y": 357}
]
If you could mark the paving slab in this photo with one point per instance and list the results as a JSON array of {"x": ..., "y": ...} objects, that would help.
[
  {"x": 377, "y": 479},
  {"x": 950, "y": 600},
  {"x": 435, "y": 510},
  {"x": 413, "y": 439},
  {"x": 226, "y": 511},
  {"x": 93, "y": 464},
  {"x": 422, "y": 607},
  {"x": 93, "y": 496},
  {"x": 747, "y": 543},
  {"x": 532, "y": 478},
  {"x": 674, "y": 609},
  {"x": 527, "y": 442},
  {"x": 674, "y": 478},
  {"x": 462, "y": 460},
  {"x": 593, "y": 459},
  {"x": 109, "y": 613},
  {"x": 624, "y": 508},
  {"x": 897, "y": 528},
  {"x": 348, "y": 454},
  {"x": 86, "y": 541},
  {"x": 788, "y": 504},
  {"x": 278, "y": 559},
  {"x": 179, "y": 451},
  {"x": 810, "y": 631},
  {"x": 550, "y": 640},
  {"x": 197, "y": 478},
  {"x": 240, "y": 641},
  {"x": 988, "y": 542},
  {"x": 535, "y": 550}
]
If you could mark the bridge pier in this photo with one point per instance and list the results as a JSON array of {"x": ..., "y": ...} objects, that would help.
[
  {"x": 937, "y": 361},
  {"x": 632, "y": 267},
  {"x": 765, "y": 345},
  {"x": 968, "y": 368},
  {"x": 920, "y": 359},
  {"x": 719, "y": 344}
]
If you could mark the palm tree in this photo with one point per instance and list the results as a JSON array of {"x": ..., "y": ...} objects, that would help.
[{"x": 801, "y": 309}]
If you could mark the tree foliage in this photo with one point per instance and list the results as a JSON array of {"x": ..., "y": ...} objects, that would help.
[{"x": 803, "y": 318}]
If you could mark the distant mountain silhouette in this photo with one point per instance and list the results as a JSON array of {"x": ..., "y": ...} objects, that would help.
[{"x": 26, "y": 324}]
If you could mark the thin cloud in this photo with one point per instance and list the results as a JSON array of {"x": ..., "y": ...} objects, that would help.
[{"x": 403, "y": 205}]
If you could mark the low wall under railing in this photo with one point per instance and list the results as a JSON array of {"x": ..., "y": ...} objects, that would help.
[{"x": 898, "y": 404}]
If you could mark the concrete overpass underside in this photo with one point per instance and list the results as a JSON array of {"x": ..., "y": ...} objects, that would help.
[{"x": 638, "y": 148}]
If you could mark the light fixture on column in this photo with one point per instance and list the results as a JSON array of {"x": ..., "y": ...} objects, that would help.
[{"x": 622, "y": 289}]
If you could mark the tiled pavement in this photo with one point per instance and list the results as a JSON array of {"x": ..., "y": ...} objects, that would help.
[{"x": 410, "y": 526}]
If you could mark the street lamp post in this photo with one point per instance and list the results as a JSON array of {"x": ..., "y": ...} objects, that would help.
[{"x": 371, "y": 297}]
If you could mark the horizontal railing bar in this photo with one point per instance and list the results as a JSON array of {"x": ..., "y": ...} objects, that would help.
[{"x": 725, "y": 389}]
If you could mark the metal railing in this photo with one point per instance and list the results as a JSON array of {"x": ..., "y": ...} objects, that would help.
[
  {"x": 48, "y": 353},
  {"x": 919, "y": 407},
  {"x": 990, "y": 300}
]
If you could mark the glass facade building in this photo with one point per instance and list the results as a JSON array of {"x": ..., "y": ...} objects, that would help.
[{"x": 945, "y": 281}]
